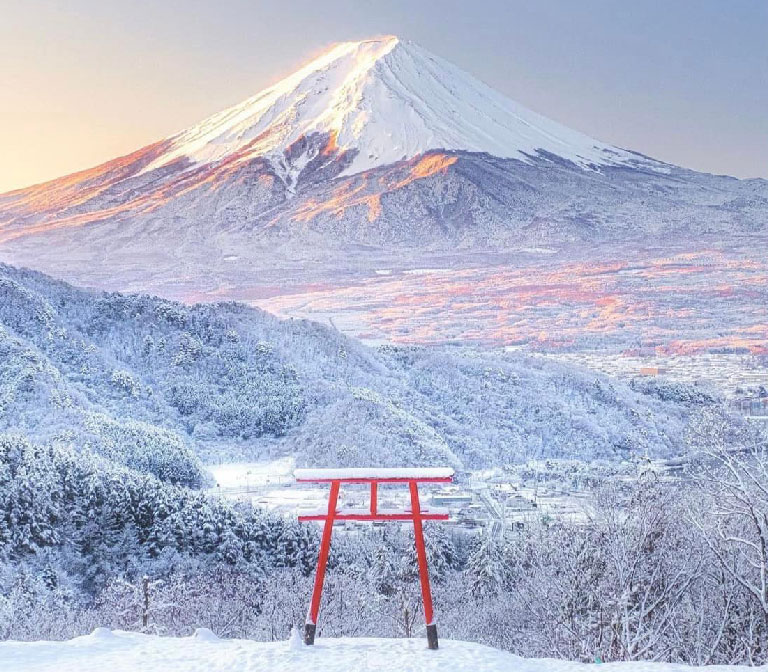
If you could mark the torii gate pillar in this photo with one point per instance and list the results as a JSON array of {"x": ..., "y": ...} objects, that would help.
[{"x": 416, "y": 514}]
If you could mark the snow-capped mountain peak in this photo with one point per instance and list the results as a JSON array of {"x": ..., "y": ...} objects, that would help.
[
  {"x": 387, "y": 100},
  {"x": 379, "y": 143}
]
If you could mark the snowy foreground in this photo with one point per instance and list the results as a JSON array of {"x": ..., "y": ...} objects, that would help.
[{"x": 119, "y": 651}]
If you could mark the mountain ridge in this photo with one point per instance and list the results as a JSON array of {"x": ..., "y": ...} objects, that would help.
[{"x": 130, "y": 375}]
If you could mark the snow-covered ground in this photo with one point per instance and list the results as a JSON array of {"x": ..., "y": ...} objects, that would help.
[
  {"x": 133, "y": 652},
  {"x": 245, "y": 475},
  {"x": 268, "y": 484}
]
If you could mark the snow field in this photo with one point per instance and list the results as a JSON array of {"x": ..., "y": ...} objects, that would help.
[{"x": 120, "y": 651}]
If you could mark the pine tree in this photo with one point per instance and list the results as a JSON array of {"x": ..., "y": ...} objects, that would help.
[{"x": 485, "y": 566}]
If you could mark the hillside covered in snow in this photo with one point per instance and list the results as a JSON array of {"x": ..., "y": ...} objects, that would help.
[
  {"x": 111, "y": 404},
  {"x": 157, "y": 386}
]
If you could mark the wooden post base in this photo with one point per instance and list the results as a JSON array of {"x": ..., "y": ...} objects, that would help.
[
  {"x": 309, "y": 634},
  {"x": 432, "y": 636}
]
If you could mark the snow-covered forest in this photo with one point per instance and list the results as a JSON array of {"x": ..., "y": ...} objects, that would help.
[
  {"x": 111, "y": 405},
  {"x": 157, "y": 386},
  {"x": 655, "y": 572}
]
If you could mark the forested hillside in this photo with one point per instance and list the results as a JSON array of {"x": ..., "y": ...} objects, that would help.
[
  {"x": 159, "y": 386},
  {"x": 110, "y": 406},
  {"x": 649, "y": 574}
]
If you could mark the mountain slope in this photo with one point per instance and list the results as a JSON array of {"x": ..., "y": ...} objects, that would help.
[
  {"x": 385, "y": 100},
  {"x": 376, "y": 143},
  {"x": 150, "y": 384},
  {"x": 358, "y": 106}
]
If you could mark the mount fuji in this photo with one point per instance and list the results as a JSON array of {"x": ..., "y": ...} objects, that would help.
[
  {"x": 377, "y": 102},
  {"x": 374, "y": 145}
]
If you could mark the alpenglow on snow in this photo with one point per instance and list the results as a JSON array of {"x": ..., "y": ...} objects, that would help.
[
  {"x": 376, "y": 143},
  {"x": 390, "y": 100}
]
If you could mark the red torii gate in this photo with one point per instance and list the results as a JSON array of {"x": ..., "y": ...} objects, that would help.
[{"x": 411, "y": 476}]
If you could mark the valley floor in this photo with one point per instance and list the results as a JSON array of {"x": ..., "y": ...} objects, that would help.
[
  {"x": 617, "y": 308},
  {"x": 121, "y": 651}
]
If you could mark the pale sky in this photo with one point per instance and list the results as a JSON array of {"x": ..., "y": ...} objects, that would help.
[{"x": 84, "y": 81}]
